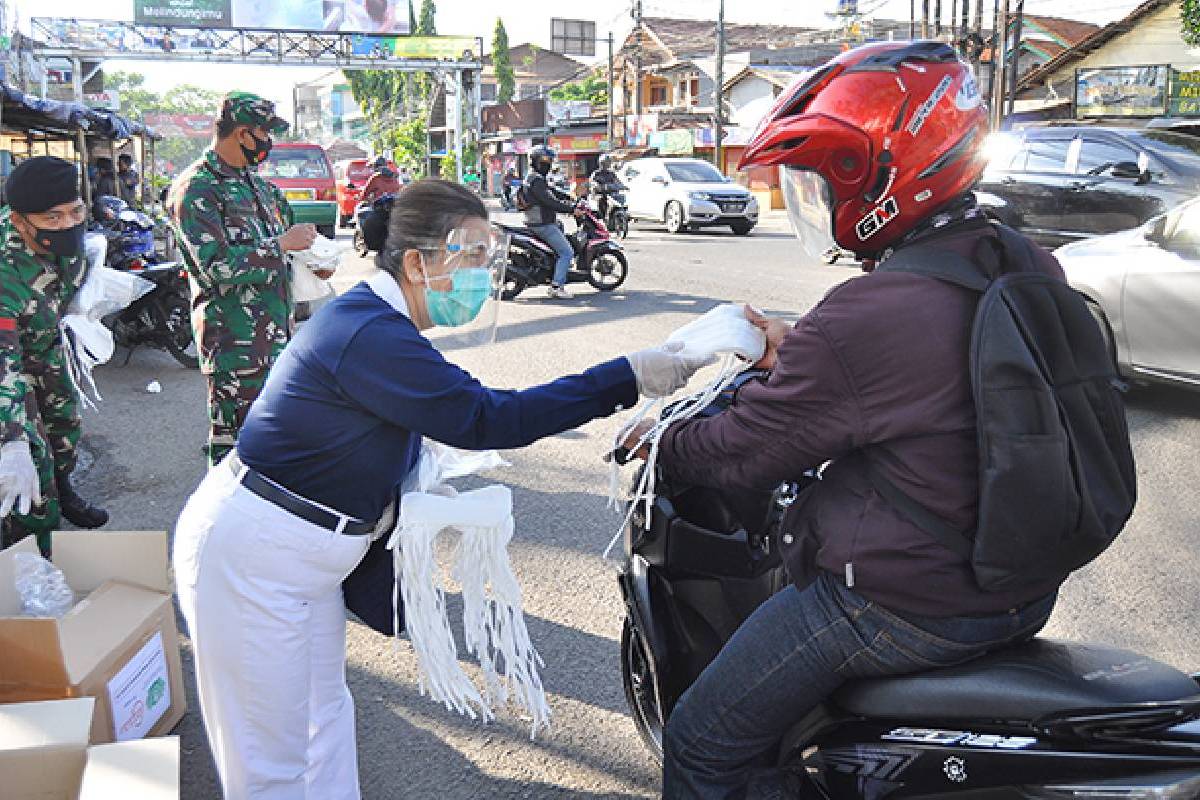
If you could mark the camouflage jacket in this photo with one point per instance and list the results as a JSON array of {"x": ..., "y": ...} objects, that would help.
[
  {"x": 34, "y": 291},
  {"x": 228, "y": 222}
]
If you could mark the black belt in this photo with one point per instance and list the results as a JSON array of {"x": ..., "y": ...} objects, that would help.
[{"x": 295, "y": 504}]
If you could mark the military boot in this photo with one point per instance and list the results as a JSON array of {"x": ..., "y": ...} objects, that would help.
[{"x": 74, "y": 508}]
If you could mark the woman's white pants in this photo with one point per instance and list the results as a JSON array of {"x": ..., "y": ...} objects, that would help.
[{"x": 260, "y": 590}]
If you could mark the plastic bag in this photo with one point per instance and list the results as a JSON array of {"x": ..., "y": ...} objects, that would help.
[
  {"x": 324, "y": 255},
  {"x": 42, "y": 587},
  {"x": 105, "y": 291}
]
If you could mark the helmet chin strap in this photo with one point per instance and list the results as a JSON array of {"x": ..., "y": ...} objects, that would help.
[{"x": 960, "y": 210}]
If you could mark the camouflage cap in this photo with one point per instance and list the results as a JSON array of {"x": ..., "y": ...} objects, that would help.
[{"x": 251, "y": 109}]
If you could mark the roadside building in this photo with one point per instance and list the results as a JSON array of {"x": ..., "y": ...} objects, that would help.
[{"x": 1137, "y": 70}]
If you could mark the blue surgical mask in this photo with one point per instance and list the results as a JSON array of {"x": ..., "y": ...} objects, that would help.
[{"x": 470, "y": 287}]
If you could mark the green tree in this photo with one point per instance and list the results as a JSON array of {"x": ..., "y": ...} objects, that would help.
[
  {"x": 427, "y": 24},
  {"x": 382, "y": 95},
  {"x": 593, "y": 88},
  {"x": 502, "y": 63},
  {"x": 1189, "y": 15},
  {"x": 410, "y": 145},
  {"x": 137, "y": 101}
]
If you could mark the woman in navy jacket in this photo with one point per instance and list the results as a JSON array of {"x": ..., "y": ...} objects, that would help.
[{"x": 263, "y": 545}]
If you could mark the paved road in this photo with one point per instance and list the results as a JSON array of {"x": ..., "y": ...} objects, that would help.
[{"x": 147, "y": 459}]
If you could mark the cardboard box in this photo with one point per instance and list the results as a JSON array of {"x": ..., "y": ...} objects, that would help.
[
  {"x": 119, "y": 644},
  {"x": 44, "y": 755}
]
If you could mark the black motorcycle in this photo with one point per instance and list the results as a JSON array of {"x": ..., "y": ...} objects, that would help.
[
  {"x": 599, "y": 260},
  {"x": 160, "y": 318},
  {"x": 128, "y": 233},
  {"x": 1045, "y": 719}
]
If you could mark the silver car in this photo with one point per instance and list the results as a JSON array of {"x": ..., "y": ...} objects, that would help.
[
  {"x": 687, "y": 193},
  {"x": 1144, "y": 287}
]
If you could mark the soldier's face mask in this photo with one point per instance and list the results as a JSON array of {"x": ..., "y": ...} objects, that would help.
[
  {"x": 61, "y": 229},
  {"x": 258, "y": 153}
]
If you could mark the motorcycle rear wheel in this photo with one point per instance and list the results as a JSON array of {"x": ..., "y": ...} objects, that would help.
[
  {"x": 176, "y": 325},
  {"x": 608, "y": 270},
  {"x": 639, "y": 692}
]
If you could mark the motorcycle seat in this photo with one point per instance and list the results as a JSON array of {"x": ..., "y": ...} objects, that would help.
[{"x": 1021, "y": 683}]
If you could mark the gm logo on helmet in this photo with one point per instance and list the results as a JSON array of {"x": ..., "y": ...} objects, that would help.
[{"x": 879, "y": 216}]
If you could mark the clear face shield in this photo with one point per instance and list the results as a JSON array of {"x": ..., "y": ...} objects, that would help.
[
  {"x": 809, "y": 201},
  {"x": 464, "y": 276}
]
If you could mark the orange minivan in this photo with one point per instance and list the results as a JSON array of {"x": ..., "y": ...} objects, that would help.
[{"x": 302, "y": 171}]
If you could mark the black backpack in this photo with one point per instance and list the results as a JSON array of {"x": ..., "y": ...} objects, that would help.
[{"x": 1056, "y": 473}]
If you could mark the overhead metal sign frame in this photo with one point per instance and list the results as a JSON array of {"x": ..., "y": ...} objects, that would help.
[{"x": 110, "y": 39}]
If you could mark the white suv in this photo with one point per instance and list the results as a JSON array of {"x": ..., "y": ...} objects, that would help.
[{"x": 687, "y": 193}]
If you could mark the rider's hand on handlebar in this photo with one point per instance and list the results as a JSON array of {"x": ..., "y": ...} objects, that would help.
[
  {"x": 775, "y": 329},
  {"x": 632, "y": 440}
]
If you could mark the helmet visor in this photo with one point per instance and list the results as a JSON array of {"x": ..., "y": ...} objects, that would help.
[{"x": 809, "y": 202}]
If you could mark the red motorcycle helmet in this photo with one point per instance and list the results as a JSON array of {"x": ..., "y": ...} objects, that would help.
[{"x": 869, "y": 145}]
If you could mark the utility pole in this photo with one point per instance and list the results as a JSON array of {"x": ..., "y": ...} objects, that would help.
[
  {"x": 718, "y": 149},
  {"x": 458, "y": 131},
  {"x": 912, "y": 19},
  {"x": 1018, "y": 23},
  {"x": 999, "y": 60},
  {"x": 637, "y": 57},
  {"x": 610, "y": 90},
  {"x": 937, "y": 18}
]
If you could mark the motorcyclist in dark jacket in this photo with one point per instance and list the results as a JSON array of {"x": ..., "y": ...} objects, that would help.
[
  {"x": 876, "y": 377},
  {"x": 545, "y": 204},
  {"x": 604, "y": 182}
]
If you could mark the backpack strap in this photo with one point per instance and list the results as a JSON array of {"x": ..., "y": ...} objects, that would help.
[
  {"x": 943, "y": 265},
  {"x": 958, "y": 542}
]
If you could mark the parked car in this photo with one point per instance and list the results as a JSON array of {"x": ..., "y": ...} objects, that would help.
[
  {"x": 304, "y": 174},
  {"x": 1143, "y": 286},
  {"x": 1063, "y": 184},
  {"x": 349, "y": 177},
  {"x": 687, "y": 193}
]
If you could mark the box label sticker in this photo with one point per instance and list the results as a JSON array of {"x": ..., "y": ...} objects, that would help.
[{"x": 140, "y": 693}]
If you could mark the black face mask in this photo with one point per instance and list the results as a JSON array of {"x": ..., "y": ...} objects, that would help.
[
  {"x": 64, "y": 243},
  {"x": 257, "y": 154}
]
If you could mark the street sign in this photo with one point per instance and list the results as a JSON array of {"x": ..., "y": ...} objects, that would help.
[{"x": 1121, "y": 91}]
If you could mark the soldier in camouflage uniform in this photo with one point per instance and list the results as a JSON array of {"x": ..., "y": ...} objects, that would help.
[
  {"x": 235, "y": 229},
  {"x": 42, "y": 264}
]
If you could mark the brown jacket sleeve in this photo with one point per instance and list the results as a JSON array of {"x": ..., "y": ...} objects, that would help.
[{"x": 803, "y": 414}]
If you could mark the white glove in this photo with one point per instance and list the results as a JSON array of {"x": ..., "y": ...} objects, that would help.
[
  {"x": 19, "y": 484},
  {"x": 662, "y": 371}
]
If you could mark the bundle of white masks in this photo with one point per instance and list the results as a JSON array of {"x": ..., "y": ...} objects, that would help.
[
  {"x": 724, "y": 333},
  {"x": 493, "y": 619},
  {"x": 88, "y": 341},
  {"x": 324, "y": 256}
]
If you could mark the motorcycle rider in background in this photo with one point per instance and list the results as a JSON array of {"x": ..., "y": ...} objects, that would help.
[
  {"x": 545, "y": 204},
  {"x": 383, "y": 181},
  {"x": 509, "y": 185},
  {"x": 877, "y": 370},
  {"x": 604, "y": 181}
]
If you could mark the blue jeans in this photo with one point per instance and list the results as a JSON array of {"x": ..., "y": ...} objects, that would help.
[
  {"x": 792, "y": 653},
  {"x": 553, "y": 236}
]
